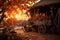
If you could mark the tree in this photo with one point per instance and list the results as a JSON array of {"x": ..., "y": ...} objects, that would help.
[{"x": 6, "y": 5}]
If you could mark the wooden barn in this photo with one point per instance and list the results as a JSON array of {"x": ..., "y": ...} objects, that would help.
[{"x": 46, "y": 16}]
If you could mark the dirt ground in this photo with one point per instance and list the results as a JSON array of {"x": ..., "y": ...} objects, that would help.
[{"x": 39, "y": 36}]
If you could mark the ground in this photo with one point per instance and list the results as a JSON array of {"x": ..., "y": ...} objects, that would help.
[{"x": 39, "y": 36}]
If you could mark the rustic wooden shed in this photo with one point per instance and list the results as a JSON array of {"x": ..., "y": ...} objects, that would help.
[{"x": 48, "y": 7}]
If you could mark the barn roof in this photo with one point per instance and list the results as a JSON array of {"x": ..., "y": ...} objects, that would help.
[{"x": 46, "y": 2}]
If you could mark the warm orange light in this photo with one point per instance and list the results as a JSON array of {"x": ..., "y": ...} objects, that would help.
[{"x": 18, "y": 14}]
